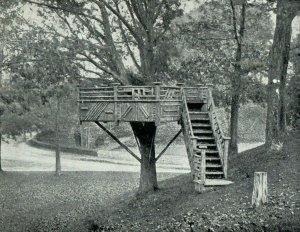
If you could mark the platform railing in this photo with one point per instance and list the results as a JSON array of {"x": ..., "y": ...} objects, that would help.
[
  {"x": 221, "y": 140},
  {"x": 141, "y": 93},
  {"x": 117, "y": 103}
]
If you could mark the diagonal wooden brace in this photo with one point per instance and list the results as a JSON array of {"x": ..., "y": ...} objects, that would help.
[
  {"x": 118, "y": 141},
  {"x": 164, "y": 150}
]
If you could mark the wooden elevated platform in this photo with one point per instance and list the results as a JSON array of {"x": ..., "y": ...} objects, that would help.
[
  {"x": 206, "y": 144},
  {"x": 155, "y": 103}
]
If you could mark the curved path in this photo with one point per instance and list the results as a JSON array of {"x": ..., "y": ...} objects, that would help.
[
  {"x": 22, "y": 157},
  {"x": 19, "y": 156}
]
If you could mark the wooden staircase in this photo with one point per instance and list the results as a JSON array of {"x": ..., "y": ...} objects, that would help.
[{"x": 207, "y": 147}]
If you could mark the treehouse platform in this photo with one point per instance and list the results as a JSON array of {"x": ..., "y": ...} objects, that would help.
[
  {"x": 192, "y": 107},
  {"x": 137, "y": 103}
]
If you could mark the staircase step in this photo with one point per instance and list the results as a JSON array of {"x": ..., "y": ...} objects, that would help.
[
  {"x": 202, "y": 131},
  {"x": 205, "y": 138},
  {"x": 217, "y": 182},
  {"x": 214, "y": 173},
  {"x": 208, "y": 152},
  {"x": 208, "y": 145},
  {"x": 213, "y": 165},
  {"x": 211, "y": 152},
  {"x": 212, "y": 159},
  {"x": 198, "y": 112},
  {"x": 199, "y": 119},
  {"x": 205, "y": 125}
]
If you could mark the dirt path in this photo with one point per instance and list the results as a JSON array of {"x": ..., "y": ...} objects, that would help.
[
  {"x": 22, "y": 157},
  {"x": 18, "y": 156}
]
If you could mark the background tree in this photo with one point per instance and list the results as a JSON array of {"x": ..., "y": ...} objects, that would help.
[
  {"x": 219, "y": 44},
  {"x": 47, "y": 73},
  {"x": 8, "y": 16},
  {"x": 278, "y": 65}
]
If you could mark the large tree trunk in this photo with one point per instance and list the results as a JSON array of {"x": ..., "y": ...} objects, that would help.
[
  {"x": 235, "y": 99},
  {"x": 278, "y": 64},
  {"x": 0, "y": 152},
  {"x": 145, "y": 134},
  {"x": 236, "y": 81}
]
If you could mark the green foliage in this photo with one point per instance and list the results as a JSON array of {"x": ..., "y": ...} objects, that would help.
[{"x": 206, "y": 48}]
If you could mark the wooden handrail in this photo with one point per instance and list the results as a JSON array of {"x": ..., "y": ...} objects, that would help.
[
  {"x": 165, "y": 92},
  {"x": 185, "y": 107},
  {"x": 211, "y": 104},
  {"x": 221, "y": 139}
]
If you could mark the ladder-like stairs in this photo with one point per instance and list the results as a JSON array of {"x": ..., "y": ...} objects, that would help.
[
  {"x": 202, "y": 130},
  {"x": 199, "y": 123}
]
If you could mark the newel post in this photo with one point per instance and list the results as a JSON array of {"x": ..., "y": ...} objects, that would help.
[
  {"x": 200, "y": 187},
  {"x": 208, "y": 96},
  {"x": 115, "y": 86},
  {"x": 181, "y": 86},
  {"x": 157, "y": 98},
  {"x": 225, "y": 157}
]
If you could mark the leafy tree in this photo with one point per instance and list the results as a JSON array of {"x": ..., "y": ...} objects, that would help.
[
  {"x": 8, "y": 15},
  {"x": 48, "y": 75},
  {"x": 224, "y": 43},
  {"x": 104, "y": 35}
]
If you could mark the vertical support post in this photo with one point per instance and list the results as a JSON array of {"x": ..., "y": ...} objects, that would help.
[
  {"x": 225, "y": 157},
  {"x": 192, "y": 152},
  {"x": 181, "y": 93},
  {"x": 209, "y": 89},
  {"x": 203, "y": 166},
  {"x": 200, "y": 186},
  {"x": 180, "y": 85},
  {"x": 260, "y": 189},
  {"x": 116, "y": 115},
  {"x": 201, "y": 93},
  {"x": 81, "y": 135},
  {"x": 157, "y": 98}
]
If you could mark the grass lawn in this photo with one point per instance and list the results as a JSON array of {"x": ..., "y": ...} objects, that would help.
[
  {"x": 41, "y": 201},
  {"x": 176, "y": 207},
  {"x": 106, "y": 201}
]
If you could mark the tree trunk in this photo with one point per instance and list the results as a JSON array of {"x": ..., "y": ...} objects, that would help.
[
  {"x": 1, "y": 152},
  {"x": 236, "y": 82},
  {"x": 145, "y": 134},
  {"x": 278, "y": 64},
  {"x": 234, "y": 123},
  {"x": 57, "y": 149},
  {"x": 260, "y": 189},
  {"x": 57, "y": 160}
]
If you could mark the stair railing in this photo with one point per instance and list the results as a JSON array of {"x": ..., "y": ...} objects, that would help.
[
  {"x": 188, "y": 133},
  {"x": 221, "y": 140}
]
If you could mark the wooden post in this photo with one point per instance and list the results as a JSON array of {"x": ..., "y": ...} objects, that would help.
[
  {"x": 181, "y": 85},
  {"x": 116, "y": 118},
  {"x": 260, "y": 189},
  {"x": 208, "y": 96},
  {"x": 200, "y": 187},
  {"x": 225, "y": 157},
  {"x": 157, "y": 98}
]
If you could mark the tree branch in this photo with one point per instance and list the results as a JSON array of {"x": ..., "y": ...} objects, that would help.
[
  {"x": 234, "y": 22},
  {"x": 127, "y": 25}
]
